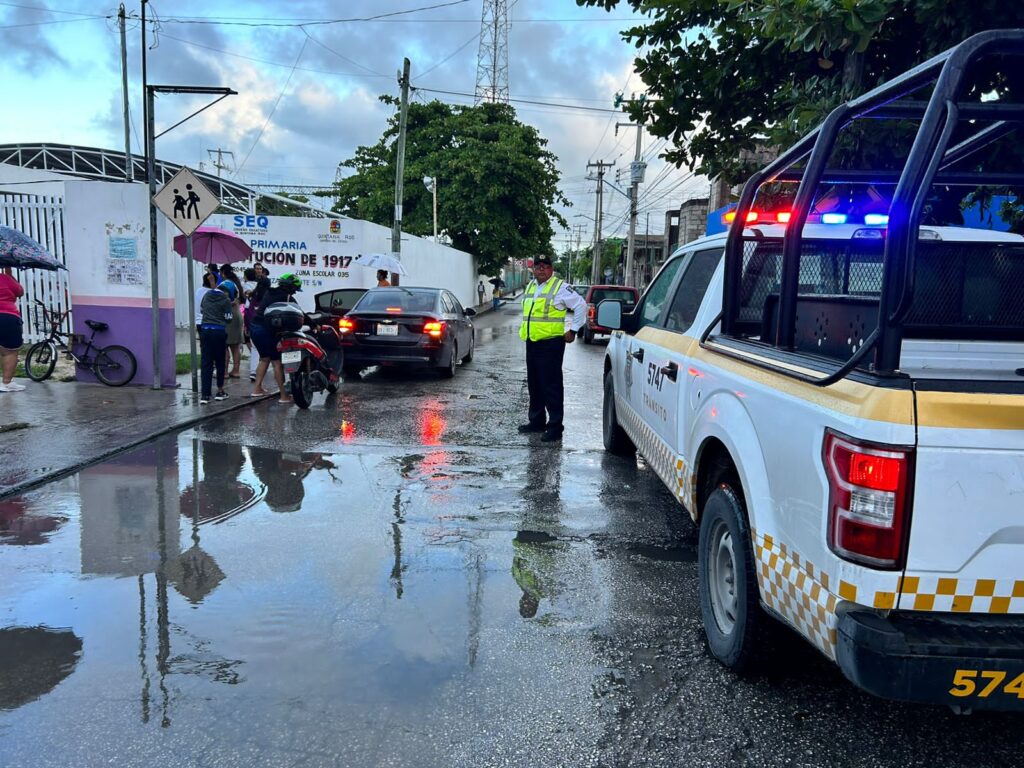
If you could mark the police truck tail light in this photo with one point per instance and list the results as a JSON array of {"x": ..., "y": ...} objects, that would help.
[
  {"x": 869, "y": 490},
  {"x": 730, "y": 217},
  {"x": 345, "y": 325},
  {"x": 434, "y": 329}
]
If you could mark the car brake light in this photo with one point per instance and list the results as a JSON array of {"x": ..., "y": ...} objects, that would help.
[
  {"x": 783, "y": 217},
  {"x": 591, "y": 311},
  {"x": 394, "y": 309},
  {"x": 434, "y": 329},
  {"x": 869, "y": 488},
  {"x": 345, "y": 325}
]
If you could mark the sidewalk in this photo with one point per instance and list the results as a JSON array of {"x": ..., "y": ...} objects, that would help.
[{"x": 54, "y": 428}]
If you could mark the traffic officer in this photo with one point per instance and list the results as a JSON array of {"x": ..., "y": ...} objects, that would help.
[{"x": 546, "y": 302}]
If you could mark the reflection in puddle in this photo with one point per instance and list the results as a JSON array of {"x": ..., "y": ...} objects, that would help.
[
  {"x": 23, "y": 526},
  {"x": 33, "y": 661}
]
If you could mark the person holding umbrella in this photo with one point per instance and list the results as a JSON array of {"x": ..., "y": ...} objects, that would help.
[{"x": 11, "y": 337}]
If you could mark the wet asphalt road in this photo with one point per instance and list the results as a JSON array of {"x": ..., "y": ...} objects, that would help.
[{"x": 397, "y": 578}]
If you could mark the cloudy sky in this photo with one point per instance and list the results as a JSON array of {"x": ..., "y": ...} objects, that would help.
[{"x": 308, "y": 94}]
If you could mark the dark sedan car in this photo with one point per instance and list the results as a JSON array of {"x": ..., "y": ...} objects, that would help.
[{"x": 407, "y": 326}]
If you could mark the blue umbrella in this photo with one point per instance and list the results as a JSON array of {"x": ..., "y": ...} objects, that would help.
[{"x": 19, "y": 250}]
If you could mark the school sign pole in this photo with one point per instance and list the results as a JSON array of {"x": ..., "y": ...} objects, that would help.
[{"x": 151, "y": 137}]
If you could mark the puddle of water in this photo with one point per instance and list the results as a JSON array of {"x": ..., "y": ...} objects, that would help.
[{"x": 193, "y": 582}]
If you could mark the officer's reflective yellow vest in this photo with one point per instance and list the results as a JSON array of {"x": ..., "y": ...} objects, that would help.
[{"x": 540, "y": 318}]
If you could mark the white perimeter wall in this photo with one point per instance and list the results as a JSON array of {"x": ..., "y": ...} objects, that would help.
[{"x": 320, "y": 252}]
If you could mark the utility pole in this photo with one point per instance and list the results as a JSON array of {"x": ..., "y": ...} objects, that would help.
[
  {"x": 129, "y": 170},
  {"x": 403, "y": 118},
  {"x": 636, "y": 173},
  {"x": 595, "y": 261},
  {"x": 220, "y": 165}
]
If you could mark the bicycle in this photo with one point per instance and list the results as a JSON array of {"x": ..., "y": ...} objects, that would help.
[{"x": 113, "y": 365}]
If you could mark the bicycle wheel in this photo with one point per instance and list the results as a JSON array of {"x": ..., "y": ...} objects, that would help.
[
  {"x": 40, "y": 361},
  {"x": 114, "y": 365}
]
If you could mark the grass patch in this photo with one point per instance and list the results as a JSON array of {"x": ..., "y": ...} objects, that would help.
[{"x": 183, "y": 363}]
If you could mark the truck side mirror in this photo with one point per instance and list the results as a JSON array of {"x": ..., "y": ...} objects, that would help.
[{"x": 609, "y": 314}]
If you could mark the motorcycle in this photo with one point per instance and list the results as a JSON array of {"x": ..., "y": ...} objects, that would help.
[{"x": 310, "y": 350}]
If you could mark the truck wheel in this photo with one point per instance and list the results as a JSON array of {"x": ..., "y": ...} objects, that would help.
[
  {"x": 588, "y": 337},
  {"x": 615, "y": 438},
  {"x": 734, "y": 624}
]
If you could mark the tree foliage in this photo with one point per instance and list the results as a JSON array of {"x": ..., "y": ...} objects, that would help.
[
  {"x": 725, "y": 76},
  {"x": 497, "y": 184}
]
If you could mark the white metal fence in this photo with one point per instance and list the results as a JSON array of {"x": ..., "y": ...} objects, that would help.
[{"x": 41, "y": 217}]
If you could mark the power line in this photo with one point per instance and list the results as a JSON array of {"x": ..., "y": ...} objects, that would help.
[
  {"x": 525, "y": 101},
  {"x": 54, "y": 21},
  {"x": 340, "y": 56},
  {"x": 267, "y": 61},
  {"x": 52, "y": 10},
  {"x": 317, "y": 22},
  {"x": 274, "y": 109}
]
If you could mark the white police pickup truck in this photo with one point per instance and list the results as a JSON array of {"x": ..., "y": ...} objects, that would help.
[{"x": 837, "y": 398}]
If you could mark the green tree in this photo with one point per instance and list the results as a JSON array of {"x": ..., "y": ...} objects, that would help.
[
  {"x": 725, "y": 76},
  {"x": 497, "y": 184},
  {"x": 611, "y": 253}
]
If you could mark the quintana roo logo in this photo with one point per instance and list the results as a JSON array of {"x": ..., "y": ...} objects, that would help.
[
  {"x": 335, "y": 226},
  {"x": 628, "y": 373}
]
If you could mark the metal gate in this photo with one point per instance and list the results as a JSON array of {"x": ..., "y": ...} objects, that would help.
[{"x": 41, "y": 217}]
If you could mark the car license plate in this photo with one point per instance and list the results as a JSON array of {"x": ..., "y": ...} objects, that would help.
[
  {"x": 387, "y": 330},
  {"x": 291, "y": 357}
]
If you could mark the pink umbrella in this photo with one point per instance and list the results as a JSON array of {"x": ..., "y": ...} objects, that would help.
[{"x": 214, "y": 246}]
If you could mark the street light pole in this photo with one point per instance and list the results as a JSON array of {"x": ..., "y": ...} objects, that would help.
[
  {"x": 433, "y": 187},
  {"x": 154, "y": 261},
  {"x": 403, "y": 118}
]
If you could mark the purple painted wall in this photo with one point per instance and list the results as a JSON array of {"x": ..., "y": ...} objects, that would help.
[{"x": 132, "y": 328}]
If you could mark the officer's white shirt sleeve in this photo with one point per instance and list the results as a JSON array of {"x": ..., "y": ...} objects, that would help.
[{"x": 569, "y": 300}]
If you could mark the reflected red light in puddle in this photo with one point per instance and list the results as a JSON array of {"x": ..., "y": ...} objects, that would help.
[
  {"x": 348, "y": 431},
  {"x": 432, "y": 424}
]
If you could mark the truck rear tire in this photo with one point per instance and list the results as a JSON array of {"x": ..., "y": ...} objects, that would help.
[
  {"x": 734, "y": 624},
  {"x": 616, "y": 440}
]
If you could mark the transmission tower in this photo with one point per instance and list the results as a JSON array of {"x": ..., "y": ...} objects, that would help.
[{"x": 492, "y": 58}]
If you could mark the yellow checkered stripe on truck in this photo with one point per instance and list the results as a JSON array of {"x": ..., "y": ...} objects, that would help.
[
  {"x": 920, "y": 593},
  {"x": 800, "y": 593},
  {"x": 668, "y": 465}
]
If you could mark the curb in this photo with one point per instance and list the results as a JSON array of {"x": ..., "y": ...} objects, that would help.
[{"x": 28, "y": 485}]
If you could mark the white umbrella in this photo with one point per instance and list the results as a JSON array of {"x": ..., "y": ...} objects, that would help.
[{"x": 386, "y": 261}]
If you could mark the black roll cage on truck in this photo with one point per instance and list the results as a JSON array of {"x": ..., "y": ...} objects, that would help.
[{"x": 927, "y": 163}]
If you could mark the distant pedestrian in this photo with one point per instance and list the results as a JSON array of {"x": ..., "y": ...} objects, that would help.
[
  {"x": 265, "y": 339},
  {"x": 213, "y": 336},
  {"x": 480, "y": 290},
  {"x": 496, "y": 298},
  {"x": 11, "y": 337},
  {"x": 546, "y": 302},
  {"x": 382, "y": 279}
]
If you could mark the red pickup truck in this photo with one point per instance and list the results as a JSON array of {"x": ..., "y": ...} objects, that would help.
[{"x": 598, "y": 293}]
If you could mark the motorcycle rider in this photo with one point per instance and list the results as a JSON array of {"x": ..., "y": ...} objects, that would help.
[{"x": 264, "y": 339}]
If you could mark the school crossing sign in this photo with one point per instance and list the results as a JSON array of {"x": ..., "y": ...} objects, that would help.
[{"x": 186, "y": 201}]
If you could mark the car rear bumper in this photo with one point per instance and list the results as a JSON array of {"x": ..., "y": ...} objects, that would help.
[
  {"x": 963, "y": 660},
  {"x": 404, "y": 354}
]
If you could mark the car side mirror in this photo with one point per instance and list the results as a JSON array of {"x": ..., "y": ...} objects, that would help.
[
  {"x": 609, "y": 314},
  {"x": 469, "y": 311}
]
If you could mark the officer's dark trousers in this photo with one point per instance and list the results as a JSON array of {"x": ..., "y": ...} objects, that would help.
[{"x": 544, "y": 380}]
